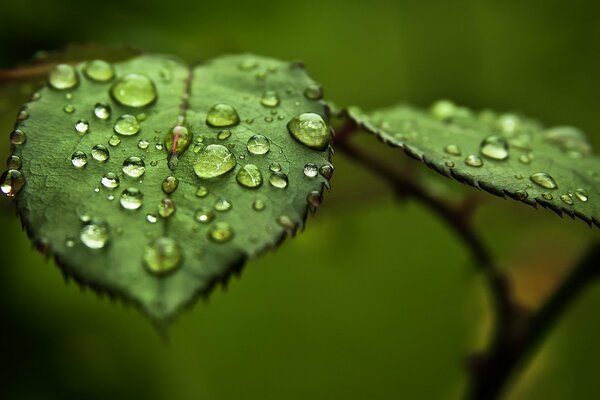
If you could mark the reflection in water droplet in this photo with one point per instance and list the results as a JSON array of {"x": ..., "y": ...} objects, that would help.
[
  {"x": 204, "y": 215},
  {"x": 249, "y": 176},
  {"x": 258, "y": 205},
  {"x": 222, "y": 205},
  {"x": 162, "y": 256},
  {"x": 134, "y": 167},
  {"x": 79, "y": 159},
  {"x": 110, "y": 180},
  {"x": 453, "y": 150},
  {"x": 494, "y": 147},
  {"x": 473, "y": 160},
  {"x": 221, "y": 115},
  {"x": 114, "y": 141},
  {"x": 270, "y": 99},
  {"x": 100, "y": 153},
  {"x": 258, "y": 144},
  {"x": 12, "y": 182},
  {"x": 63, "y": 76},
  {"x": 166, "y": 208},
  {"x": 102, "y": 111},
  {"x": 220, "y": 232},
  {"x": 581, "y": 195},
  {"x": 127, "y": 125},
  {"x": 17, "y": 137},
  {"x": 131, "y": 199},
  {"x": 134, "y": 90},
  {"x": 95, "y": 233},
  {"x": 311, "y": 170},
  {"x": 82, "y": 126},
  {"x": 178, "y": 139},
  {"x": 99, "y": 71},
  {"x": 214, "y": 160},
  {"x": 170, "y": 184},
  {"x": 311, "y": 130},
  {"x": 544, "y": 180},
  {"x": 278, "y": 180}
]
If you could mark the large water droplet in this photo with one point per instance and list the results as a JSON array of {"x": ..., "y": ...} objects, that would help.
[
  {"x": 99, "y": 71},
  {"x": 82, "y": 126},
  {"x": 162, "y": 256},
  {"x": 102, "y": 111},
  {"x": 79, "y": 159},
  {"x": 100, "y": 153},
  {"x": 204, "y": 215},
  {"x": 270, "y": 99},
  {"x": 581, "y": 195},
  {"x": 473, "y": 161},
  {"x": 127, "y": 125},
  {"x": 544, "y": 180},
  {"x": 220, "y": 232},
  {"x": 63, "y": 77},
  {"x": 258, "y": 144},
  {"x": 249, "y": 176},
  {"x": 221, "y": 115},
  {"x": 278, "y": 180},
  {"x": 311, "y": 130},
  {"x": 170, "y": 184},
  {"x": 134, "y": 167},
  {"x": 131, "y": 199},
  {"x": 494, "y": 147},
  {"x": 11, "y": 182},
  {"x": 110, "y": 180},
  {"x": 134, "y": 90},
  {"x": 17, "y": 137},
  {"x": 95, "y": 233},
  {"x": 214, "y": 160}
]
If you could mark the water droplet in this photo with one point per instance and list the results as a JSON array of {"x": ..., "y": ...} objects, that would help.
[
  {"x": 202, "y": 191},
  {"x": 154, "y": 163},
  {"x": 249, "y": 176},
  {"x": 494, "y": 147},
  {"x": 524, "y": 159},
  {"x": 313, "y": 92},
  {"x": 287, "y": 223},
  {"x": 521, "y": 195},
  {"x": 12, "y": 182},
  {"x": 141, "y": 117},
  {"x": 450, "y": 164},
  {"x": 99, "y": 71},
  {"x": 248, "y": 64},
  {"x": 453, "y": 150},
  {"x": 221, "y": 115},
  {"x": 134, "y": 90},
  {"x": 170, "y": 184},
  {"x": 114, "y": 141},
  {"x": 162, "y": 256},
  {"x": 569, "y": 139},
  {"x": 63, "y": 77},
  {"x": 258, "y": 205},
  {"x": 214, "y": 160},
  {"x": 70, "y": 242},
  {"x": 222, "y": 205},
  {"x": 258, "y": 144},
  {"x": 178, "y": 139},
  {"x": 204, "y": 215},
  {"x": 110, "y": 180},
  {"x": 158, "y": 146},
  {"x": 14, "y": 162},
  {"x": 547, "y": 196},
  {"x": 326, "y": 171},
  {"x": 134, "y": 167},
  {"x": 220, "y": 232},
  {"x": 22, "y": 115},
  {"x": 95, "y": 233},
  {"x": 127, "y": 125},
  {"x": 268, "y": 119},
  {"x": 544, "y": 180},
  {"x": 473, "y": 161},
  {"x": 82, "y": 126},
  {"x": 567, "y": 199},
  {"x": 143, "y": 144},
  {"x": 17, "y": 137},
  {"x": 131, "y": 199},
  {"x": 270, "y": 99},
  {"x": 224, "y": 134},
  {"x": 311, "y": 170},
  {"x": 518, "y": 176},
  {"x": 151, "y": 218},
  {"x": 581, "y": 195},
  {"x": 443, "y": 109},
  {"x": 275, "y": 167},
  {"x": 100, "y": 152},
  {"x": 102, "y": 111},
  {"x": 69, "y": 109},
  {"x": 166, "y": 208},
  {"x": 278, "y": 180},
  {"x": 314, "y": 198},
  {"x": 68, "y": 96},
  {"x": 311, "y": 130},
  {"x": 79, "y": 159},
  {"x": 509, "y": 123}
]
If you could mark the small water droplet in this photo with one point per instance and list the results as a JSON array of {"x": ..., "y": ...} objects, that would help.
[
  {"x": 100, "y": 153},
  {"x": 68, "y": 96},
  {"x": 275, "y": 167},
  {"x": 270, "y": 99},
  {"x": 326, "y": 171},
  {"x": 278, "y": 180},
  {"x": 521, "y": 195},
  {"x": 569, "y": 139},
  {"x": 12, "y": 181},
  {"x": 204, "y": 215},
  {"x": 79, "y": 159},
  {"x": 222, "y": 205},
  {"x": 311, "y": 130},
  {"x": 143, "y": 144},
  {"x": 287, "y": 223},
  {"x": 95, "y": 233},
  {"x": 544, "y": 180},
  {"x": 453, "y": 150},
  {"x": 158, "y": 146},
  {"x": 222, "y": 115},
  {"x": 258, "y": 205},
  {"x": 70, "y": 242},
  {"x": 170, "y": 184},
  {"x": 134, "y": 90},
  {"x": 258, "y": 145},
  {"x": 141, "y": 117},
  {"x": 224, "y": 134},
  {"x": 314, "y": 198},
  {"x": 581, "y": 195},
  {"x": 162, "y": 256},
  {"x": 127, "y": 125},
  {"x": 134, "y": 167},
  {"x": 14, "y": 162},
  {"x": 443, "y": 110},
  {"x": 110, "y": 180},
  {"x": 22, "y": 115},
  {"x": 524, "y": 159},
  {"x": 202, "y": 191},
  {"x": 63, "y": 76},
  {"x": 154, "y": 163},
  {"x": 450, "y": 164},
  {"x": 114, "y": 141},
  {"x": 17, "y": 137},
  {"x": 473, "y": 160},
  {"x": 102, "y": 111},
  {"x": 99, "y": 71},
  {"x": 494, "y": 147},
  {"x": 311, "y": 170},
  {"x": 82, "y": 126},
  {"x": 509, "y": 123},
  {"x": 151, "y": 218},
  {"x": 249, "y": 176},
  {"x": 547, "y": 196},
  {"x": 220, "y": 232},
  {"x": 131, "y": 199},
  {"x": 567, "y": 199},
  {"x": 518, "y": 176},
  {"x": 177, "y": 140},
  {"x": 268, "y": 119},
  {"x": 166, "y": 208},
  {"x": 69, "y": 109},
  {"x": 248, "y": 64},
  {"x": 214, "y": 160},
  {"x": 313, "y": 92}
]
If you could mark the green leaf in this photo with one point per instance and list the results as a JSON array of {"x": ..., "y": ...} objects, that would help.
[
  {"x": 209, "y": 197},
  {"x": 504, "y": 154}
]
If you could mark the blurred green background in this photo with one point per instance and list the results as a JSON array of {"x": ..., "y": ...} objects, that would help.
[{"x": 377, "y": 299}]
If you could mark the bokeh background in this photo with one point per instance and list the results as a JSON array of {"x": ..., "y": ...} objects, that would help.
[{"x": 377, "y": 299}]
